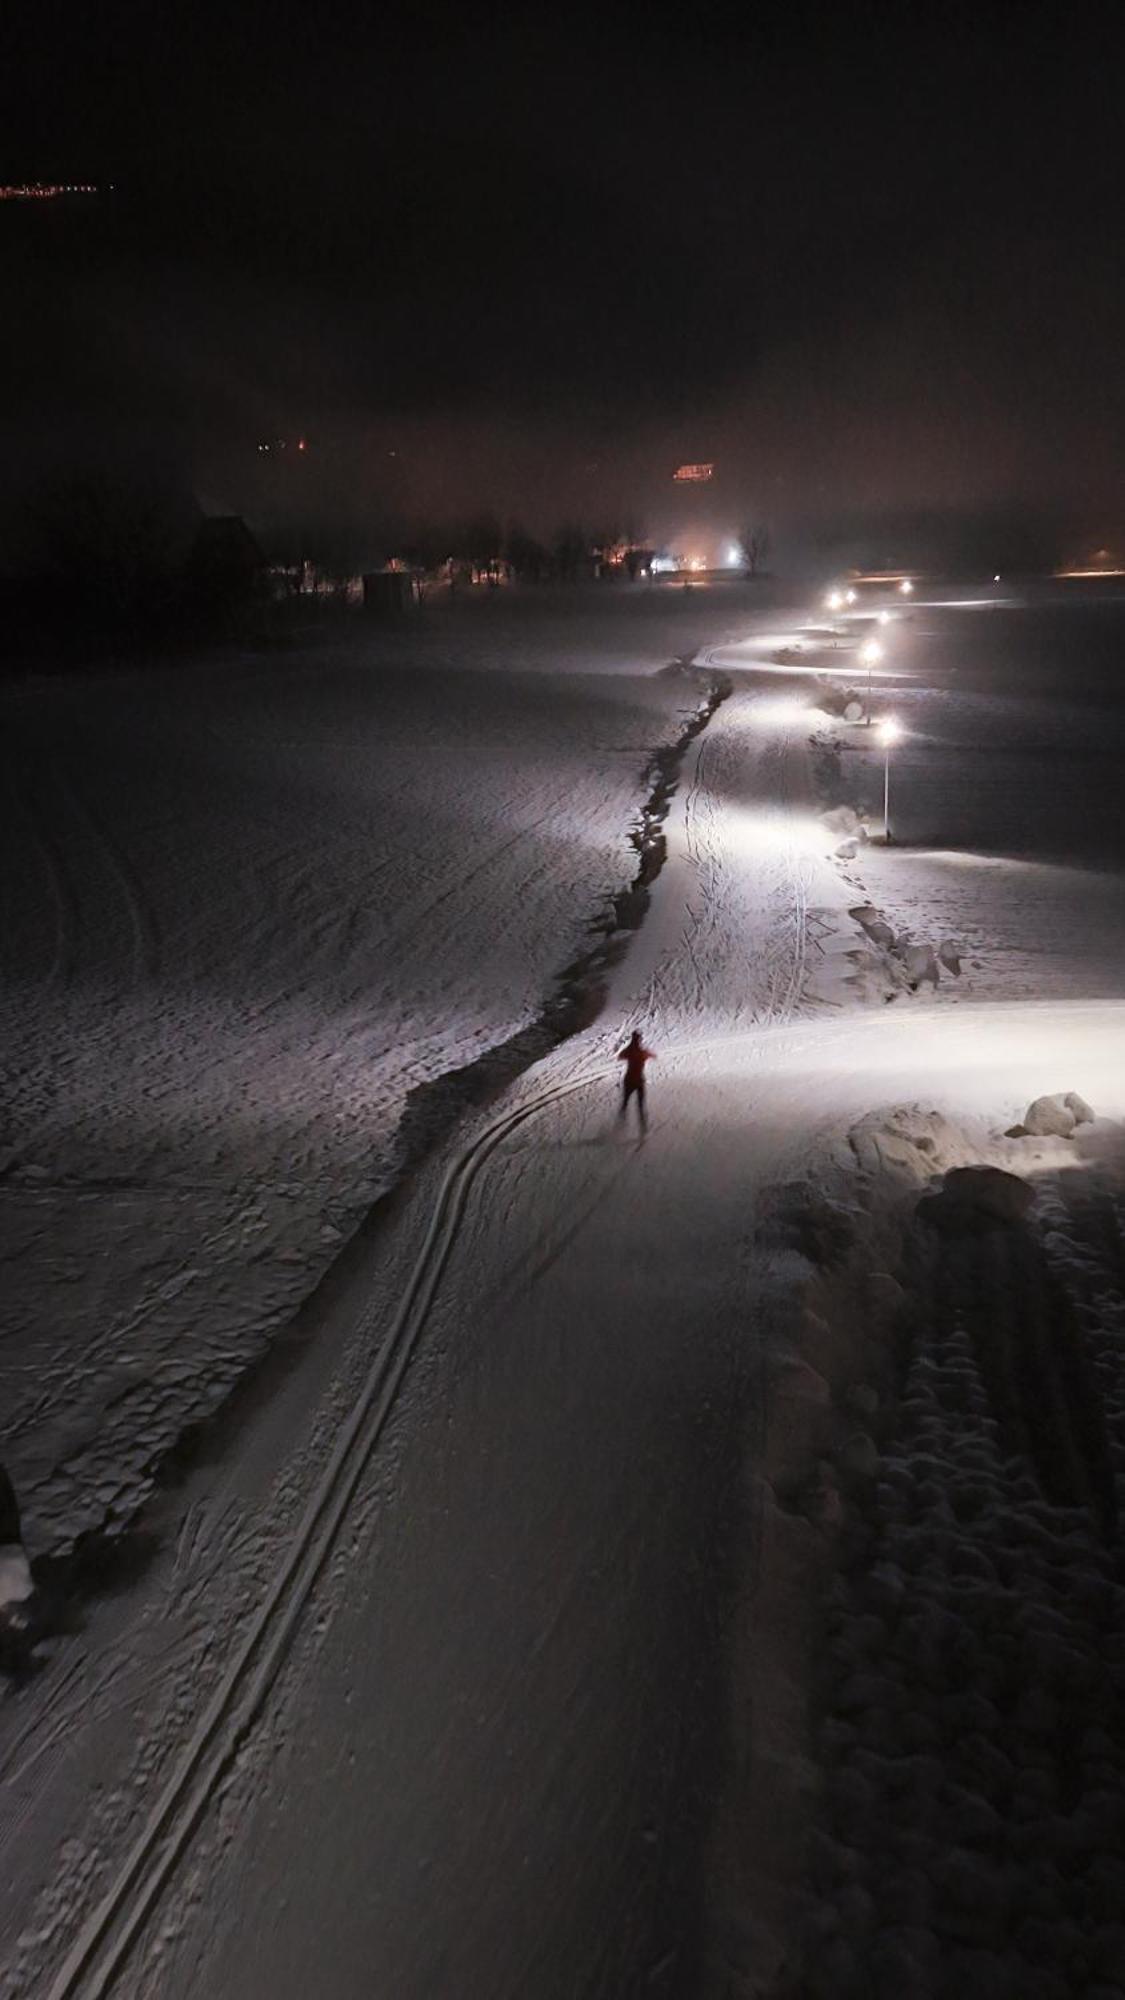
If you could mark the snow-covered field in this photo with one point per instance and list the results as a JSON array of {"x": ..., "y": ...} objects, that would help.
[
  {"x": 246, "y": 911},
  {"x": 449, "y": 1739}
]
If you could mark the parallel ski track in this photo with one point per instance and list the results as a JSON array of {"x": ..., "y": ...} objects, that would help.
[{"x": 110, "y": 1932}]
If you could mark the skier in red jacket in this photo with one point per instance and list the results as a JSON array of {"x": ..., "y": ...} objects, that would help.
[{"x": 634, "y": 1056}]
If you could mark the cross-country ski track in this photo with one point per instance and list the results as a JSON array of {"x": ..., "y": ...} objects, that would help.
[{"x": 553, "y": 1379}]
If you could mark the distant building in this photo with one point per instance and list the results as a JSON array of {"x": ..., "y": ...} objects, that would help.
[{"x": 386, "y": 591}]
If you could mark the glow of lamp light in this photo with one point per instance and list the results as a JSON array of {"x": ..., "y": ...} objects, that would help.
[
  {"x": 778, "y": 714},
  {"x": 850, "y": 596},
  {"x": 906, "y": 586},
  {"x": 889, "y": 731},
  {"x": 870, "y": 653},
  {"x": 883, "y": 617},
  {"x": 834, "y": 600},
  {"x": 755, "y": 831}
]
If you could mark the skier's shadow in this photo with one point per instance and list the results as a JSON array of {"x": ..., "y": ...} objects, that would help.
[
  {"x": 614, "y": 1134},
  {"x": 548, "y": 1248}
]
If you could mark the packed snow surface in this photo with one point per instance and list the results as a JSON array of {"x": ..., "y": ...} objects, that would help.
[
  {"x": 483, "y": 1760},
  {"x": 247, "y": 910}
]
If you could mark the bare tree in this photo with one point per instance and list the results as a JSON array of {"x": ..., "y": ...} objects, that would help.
[
  {"x": 570, "y": 550},
  {"x": 756, "y": 545},
  {"x": 528, "y": 558}
]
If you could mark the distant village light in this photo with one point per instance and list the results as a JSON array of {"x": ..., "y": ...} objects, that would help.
[
  {"x": 697, "y": 473},
  {"x": 44, "y": 190}
]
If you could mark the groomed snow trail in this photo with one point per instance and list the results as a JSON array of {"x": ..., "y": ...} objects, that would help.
[
  {"x": 245, "y": 1687},
  {"x": 219, "y": 1734},
  {"x": 491, "y": 1676},
  {"x": 242, "y": 920},
  {"x": 97, "y": 1955}
]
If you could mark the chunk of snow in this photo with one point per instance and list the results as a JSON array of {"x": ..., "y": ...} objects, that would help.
[
  {"x": 920, "y": 964},
  {"x": 823, "y": 1230},
  {"x": 16, "y": 1585},
  {"x": 1049, "y": 1118}
]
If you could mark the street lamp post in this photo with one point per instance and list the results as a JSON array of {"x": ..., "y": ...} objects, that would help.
[
  {"x": 889, "y": 733},
  {"x": 870, "y": 653}
]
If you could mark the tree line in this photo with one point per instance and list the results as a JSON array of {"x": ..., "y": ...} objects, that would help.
[{"x": 123, "y": 558}]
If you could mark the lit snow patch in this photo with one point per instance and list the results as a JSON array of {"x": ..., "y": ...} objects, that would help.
[{"x": 781, "y": 713}]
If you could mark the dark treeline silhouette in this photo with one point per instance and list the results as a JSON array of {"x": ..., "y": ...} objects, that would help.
[
  {"x": 114, "y": 561},
  {"x": 111, "y": 561},
  {"x": 119, "y": 558}
]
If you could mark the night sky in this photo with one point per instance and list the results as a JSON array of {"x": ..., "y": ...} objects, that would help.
[{"x": 540, "y": 262}]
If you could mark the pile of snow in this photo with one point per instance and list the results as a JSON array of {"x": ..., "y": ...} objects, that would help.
[
  {"x": 848, "y": 828},
  {"x": 813, "y": 1222},
  {"x": 909, "y": 962},
  {"x": 908, "y": 1143},
  {"x": 17, "y": 1587},
  {"x": 1055, "y": 1116},
  {"x": 972, "y": 1742},
  {"x": 840, "y": 701},
  {"x": 973, "y": 1736}
]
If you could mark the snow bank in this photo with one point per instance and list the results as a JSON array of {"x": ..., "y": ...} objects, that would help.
[
  {"x": 971, "y": 1677},
  {"x": 17, "y": 1587}
]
